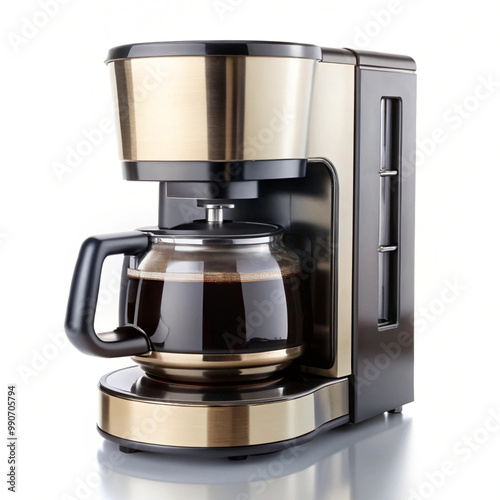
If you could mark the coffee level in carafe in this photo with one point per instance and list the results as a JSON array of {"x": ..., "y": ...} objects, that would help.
[{"x": 218, "y": 316}]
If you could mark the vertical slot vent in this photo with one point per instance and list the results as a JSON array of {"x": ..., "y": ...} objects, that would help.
[{"x": 389, "y": 219}]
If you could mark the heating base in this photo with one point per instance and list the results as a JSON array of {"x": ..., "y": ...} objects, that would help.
[{"x": 143, "y": 413}]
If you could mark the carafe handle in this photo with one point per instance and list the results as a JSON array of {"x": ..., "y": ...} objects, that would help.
[{"x": 125, "y": 340}]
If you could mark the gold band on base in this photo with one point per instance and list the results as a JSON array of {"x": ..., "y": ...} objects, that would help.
[{"x": 215, "y": 425}]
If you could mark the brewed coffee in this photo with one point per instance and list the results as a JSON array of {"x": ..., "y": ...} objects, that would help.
[{"x": 220, "y": 313}]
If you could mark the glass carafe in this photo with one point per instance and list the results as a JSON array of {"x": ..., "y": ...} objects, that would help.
[
  {"x": 218, "y": 301},
  {"x": 204, "y": 301}
]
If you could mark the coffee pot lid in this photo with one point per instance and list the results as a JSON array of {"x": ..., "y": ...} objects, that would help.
[
  {"x": 226, "y": 229},
  {"x": 214, "y": 226}
]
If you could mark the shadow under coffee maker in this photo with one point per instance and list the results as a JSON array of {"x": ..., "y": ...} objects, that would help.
[{"x": 273, "y": 300}]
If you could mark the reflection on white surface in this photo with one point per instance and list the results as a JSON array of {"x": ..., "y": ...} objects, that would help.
[{"x": 367, "y": 461}]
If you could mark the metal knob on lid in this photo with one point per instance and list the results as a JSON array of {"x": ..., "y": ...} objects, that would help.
[{"x": 214, "y": 211}]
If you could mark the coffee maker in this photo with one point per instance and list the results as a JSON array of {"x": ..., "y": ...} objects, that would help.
[{"x": 274, "y": 299}]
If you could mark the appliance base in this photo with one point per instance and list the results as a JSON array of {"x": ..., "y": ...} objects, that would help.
[
  {"x": 143, "y": 413},
  {"x": 233, "y": 452}
]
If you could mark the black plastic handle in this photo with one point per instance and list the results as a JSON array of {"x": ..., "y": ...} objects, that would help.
[{"x": 126, "y": 340}]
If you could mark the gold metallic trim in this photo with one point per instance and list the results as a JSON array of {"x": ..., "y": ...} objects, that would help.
[
  {"x": 207, "y": 426},
  {"x": 232, "y": 360},
  {"x": 220, "y": 367},
  {"x": 331, "y": 136},
  {"x": 215, "y": 375},
  {"x": 216, "y": 108}
]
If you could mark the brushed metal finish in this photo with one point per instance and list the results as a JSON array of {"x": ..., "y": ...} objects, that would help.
[
  {"x": 393, "y": 386},
  {"x": 332, "y": 137},
  {"x": 217, "y": 367},
  {"x": 213, "y": 425},
  {"x": 214, "y": 108}
]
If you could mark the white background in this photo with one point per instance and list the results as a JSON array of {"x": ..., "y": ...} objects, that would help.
[{"x": 55, "y": 88}]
